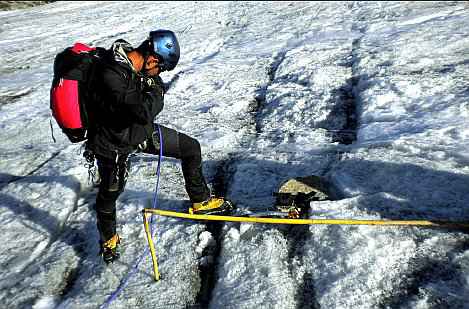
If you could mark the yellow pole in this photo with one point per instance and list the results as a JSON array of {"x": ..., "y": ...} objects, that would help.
[
  {"x": 148, "y": 212},
  {"x": 152, "y": 247},
  {"x": 167, "y": 213}
]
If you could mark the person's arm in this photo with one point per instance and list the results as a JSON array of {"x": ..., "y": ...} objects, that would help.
[
  {"x": 128, "y": 100},
  {"x": 154, "y": 88}
]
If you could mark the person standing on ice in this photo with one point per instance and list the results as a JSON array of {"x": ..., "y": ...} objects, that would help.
[{"x": 131, "y": 94}]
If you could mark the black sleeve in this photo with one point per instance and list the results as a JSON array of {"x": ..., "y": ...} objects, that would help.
[
  {"x": 126, "y": 98},
  {"x": 157, "y": 102}
]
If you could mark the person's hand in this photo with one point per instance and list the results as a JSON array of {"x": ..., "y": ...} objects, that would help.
[
  {"x": 153, "y": 84},
  {"x": 152, "y": 66}
]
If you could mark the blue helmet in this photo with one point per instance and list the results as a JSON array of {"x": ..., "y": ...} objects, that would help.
[{"x": 165, "y": 45}]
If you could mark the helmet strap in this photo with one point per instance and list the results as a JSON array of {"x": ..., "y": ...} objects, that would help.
[
  {"x": 143, "y": 50},
  {"x": 145, "y": 59}
]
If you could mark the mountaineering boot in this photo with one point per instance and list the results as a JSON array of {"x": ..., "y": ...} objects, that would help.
[
  {"x": 110, "y": 249},
  {"x": 212, "y": 206}
]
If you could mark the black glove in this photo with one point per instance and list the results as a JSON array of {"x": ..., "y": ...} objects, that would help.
[{"x": 151, "y": 84}]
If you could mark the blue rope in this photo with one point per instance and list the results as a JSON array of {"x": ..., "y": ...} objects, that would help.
[
  {"x": 155, "y": 197},
  {"x": 126, "y": 279}
]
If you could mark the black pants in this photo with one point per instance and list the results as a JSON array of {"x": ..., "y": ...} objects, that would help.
[{"x": 114, "y": 175}]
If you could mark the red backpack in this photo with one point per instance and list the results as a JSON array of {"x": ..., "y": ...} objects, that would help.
[{"x": 72, "y": 95}]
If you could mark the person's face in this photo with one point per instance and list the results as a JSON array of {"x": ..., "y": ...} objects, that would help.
[{"x": 151, "y": 67}]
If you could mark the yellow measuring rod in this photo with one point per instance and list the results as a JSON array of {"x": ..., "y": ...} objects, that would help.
[{"x": 147, "y": 212}]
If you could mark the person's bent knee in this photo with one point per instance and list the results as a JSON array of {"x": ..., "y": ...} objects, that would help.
[{"x": 190, "y": 147}]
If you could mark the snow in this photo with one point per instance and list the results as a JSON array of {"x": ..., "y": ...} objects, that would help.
[
  {"x": 270, "y": 90},
  {"x": 45, "y": 303}
]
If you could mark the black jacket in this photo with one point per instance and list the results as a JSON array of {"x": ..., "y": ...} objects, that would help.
[{"x": 125, "y": 110}]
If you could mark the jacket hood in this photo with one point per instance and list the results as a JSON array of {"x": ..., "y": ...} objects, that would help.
[{"x": 119, "y": 49}]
